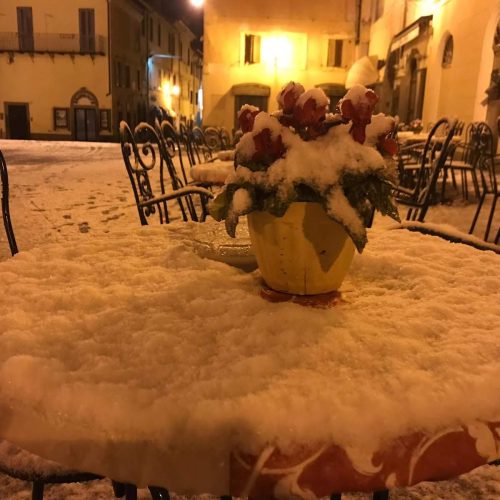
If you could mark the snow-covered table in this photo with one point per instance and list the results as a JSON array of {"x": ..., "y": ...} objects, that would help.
[
  {"x": 129, "y": 355},
  {"x": 214, "y": 172}
]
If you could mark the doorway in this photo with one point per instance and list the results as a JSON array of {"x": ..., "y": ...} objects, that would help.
[
  {"x": 85, "y": 124},
  {"x": 254, "y": 100},
  {"x": 18, "y": 121}
]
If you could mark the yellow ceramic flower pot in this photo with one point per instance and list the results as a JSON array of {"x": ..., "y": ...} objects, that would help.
[{"x": 302, "y": 253}]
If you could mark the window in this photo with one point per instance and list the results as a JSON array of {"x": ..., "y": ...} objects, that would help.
[
  {"x": 127, "y": 76},
  {"x": 447, "y": 52},
  {"x": 25, "y": 29},
  {"x": 105, "y": 119},
  {"x": 252, "y": 49},
  {"x": 159, "y": 35},
  {"x": 171, "y": 43},
  {"x": 87, "y": 30},
  {"x": 61, "y": 118},
  {"x": 150, "y": 29},
  {"x": 118, "y": 74},
  {"x": 378, "y": 9},
  {"x": 334, "y": 57}
]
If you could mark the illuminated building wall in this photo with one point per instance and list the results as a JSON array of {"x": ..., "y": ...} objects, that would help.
[
  {"x": 252, "y": 48},
  {"x": 450, "y": 76}
]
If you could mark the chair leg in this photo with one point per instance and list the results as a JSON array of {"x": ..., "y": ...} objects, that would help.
[
  {"x": 37, "y": 490},
  {"x": 381, "y": 495},
  {"x": 130, "y": 492},
  {"x": 118, "y": 489},
  {"x": 478, "y": 211},
  {"x": 490, "y": 218},
  {"x": 497, "y": 237},
  {"x": 476, "y": 183},
  {"x": 158, "y": 493}
]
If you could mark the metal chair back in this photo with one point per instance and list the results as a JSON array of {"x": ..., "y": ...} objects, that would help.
[
  {"x": 433, "y": 161},
  {"x": 146, "y": 162},
  {"x": 4, "y": 178}
]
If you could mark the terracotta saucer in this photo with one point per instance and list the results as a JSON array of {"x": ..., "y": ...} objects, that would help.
[{"x": 320, "y": 300}]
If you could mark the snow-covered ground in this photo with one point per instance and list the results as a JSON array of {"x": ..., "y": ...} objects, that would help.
[{"x": 67, "y": 190}]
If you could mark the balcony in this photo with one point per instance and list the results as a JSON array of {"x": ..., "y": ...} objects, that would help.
[{"x": 53, "y": 43}]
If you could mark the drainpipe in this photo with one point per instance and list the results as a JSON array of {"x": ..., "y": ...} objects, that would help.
[
  {"x": 359, "y": 6},
  {"x": 110, "y": 69}
]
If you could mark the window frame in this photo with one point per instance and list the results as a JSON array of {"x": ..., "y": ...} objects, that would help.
[{"x": 62, "y": 121}]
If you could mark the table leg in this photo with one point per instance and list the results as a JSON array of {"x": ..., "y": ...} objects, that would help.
[{"x": 37, "y": 490}]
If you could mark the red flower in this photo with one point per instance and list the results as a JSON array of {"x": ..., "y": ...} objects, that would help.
[
  {"x": 246, "y": 117},
  {"x": 267, "y": 149},
  {"x": 289, "y": 95},
  {"x": 309, "y": 113},
  {"x": 387, "y": 145},
  {"x": 360, "y": 114}
]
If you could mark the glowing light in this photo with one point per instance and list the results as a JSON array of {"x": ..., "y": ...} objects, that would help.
[
  {"x": 197, "y": 3},
  {"x": 167, "y": 95},
  {"x": 176, "y": 90},
  {"x": 277, "y": 50}
]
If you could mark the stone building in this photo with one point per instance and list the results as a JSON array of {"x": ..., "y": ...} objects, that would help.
[
  {"x": 73, "y": 70},
  {"x": 252, "y": 48},
  {"x": 438, "y": 58}
]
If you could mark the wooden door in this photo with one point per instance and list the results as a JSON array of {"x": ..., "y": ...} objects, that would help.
[
  {"x": 85, "y": 124},
  {"x": 18, "y": 124}
]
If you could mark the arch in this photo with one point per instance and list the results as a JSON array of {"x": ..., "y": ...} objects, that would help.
[
  {"x": 447, "y": 55},
  {"x": 84, "y": 93}
]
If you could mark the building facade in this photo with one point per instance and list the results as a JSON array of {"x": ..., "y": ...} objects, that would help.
[
  {"x": 75, "y": 72},
  {"x": 440, "y": 57},
  {"x": 252, "y": 48}
]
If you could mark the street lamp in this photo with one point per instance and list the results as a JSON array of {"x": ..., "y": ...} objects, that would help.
[{"x": 197, "y": 3}]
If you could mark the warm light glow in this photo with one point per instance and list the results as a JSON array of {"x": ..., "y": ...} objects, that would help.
[
  {"x": 197, "y": 3},
  {"x": 176, "y": 90},
  {"x": 427, "y": 7},
  {"x": 277, "y": 50},
  {"x": 167, "y": 95}
]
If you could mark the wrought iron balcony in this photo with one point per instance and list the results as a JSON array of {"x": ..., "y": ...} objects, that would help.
[{"x": 52, "y": 43}]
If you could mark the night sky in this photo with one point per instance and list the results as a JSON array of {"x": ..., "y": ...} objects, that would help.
[{"x": 192, "y": 16}]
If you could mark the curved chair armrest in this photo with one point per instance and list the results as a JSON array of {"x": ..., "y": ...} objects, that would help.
[{"x": 185, "y": 191}]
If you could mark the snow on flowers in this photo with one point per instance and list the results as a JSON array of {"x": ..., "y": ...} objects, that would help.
[{"x": 304, "y": 153}]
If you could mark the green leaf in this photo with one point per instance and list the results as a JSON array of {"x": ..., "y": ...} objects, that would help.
[{"x": 219, "y": 206}]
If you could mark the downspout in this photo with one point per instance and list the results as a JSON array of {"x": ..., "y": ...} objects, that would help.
[
  {"x": 359, "y": 5},
  {"x": 109, "y": 51}
]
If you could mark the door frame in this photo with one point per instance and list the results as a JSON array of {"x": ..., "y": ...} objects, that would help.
[{"x": 6, "y": 114}]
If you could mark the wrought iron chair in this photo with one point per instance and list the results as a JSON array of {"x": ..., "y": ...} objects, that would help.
[
  {"x": 464, "y": 158},
  {"x": 487, "y": 164},
  {"x": 432, "y": 163},
  {"x": 146, "y": 160},
  {"x": 4, "y": 178}
]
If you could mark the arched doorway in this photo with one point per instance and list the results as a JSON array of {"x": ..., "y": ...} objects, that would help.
[{"x": 84, "y": 113}]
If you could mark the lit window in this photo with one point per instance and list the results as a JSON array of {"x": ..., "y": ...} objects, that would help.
[
  {"x": 252, "y": 49},
  {"x": 448, "y": 52},
  {"x": 334, "y": 57}
]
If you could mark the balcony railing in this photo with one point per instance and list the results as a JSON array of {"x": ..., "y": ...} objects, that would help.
[{"x": 53, "y": 43}]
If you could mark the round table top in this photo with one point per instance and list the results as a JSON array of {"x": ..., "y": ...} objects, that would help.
[{"x": 130, "y": 355}]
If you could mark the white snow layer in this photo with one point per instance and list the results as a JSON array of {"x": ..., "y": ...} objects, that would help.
[{"x": 182, "y": 352}]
